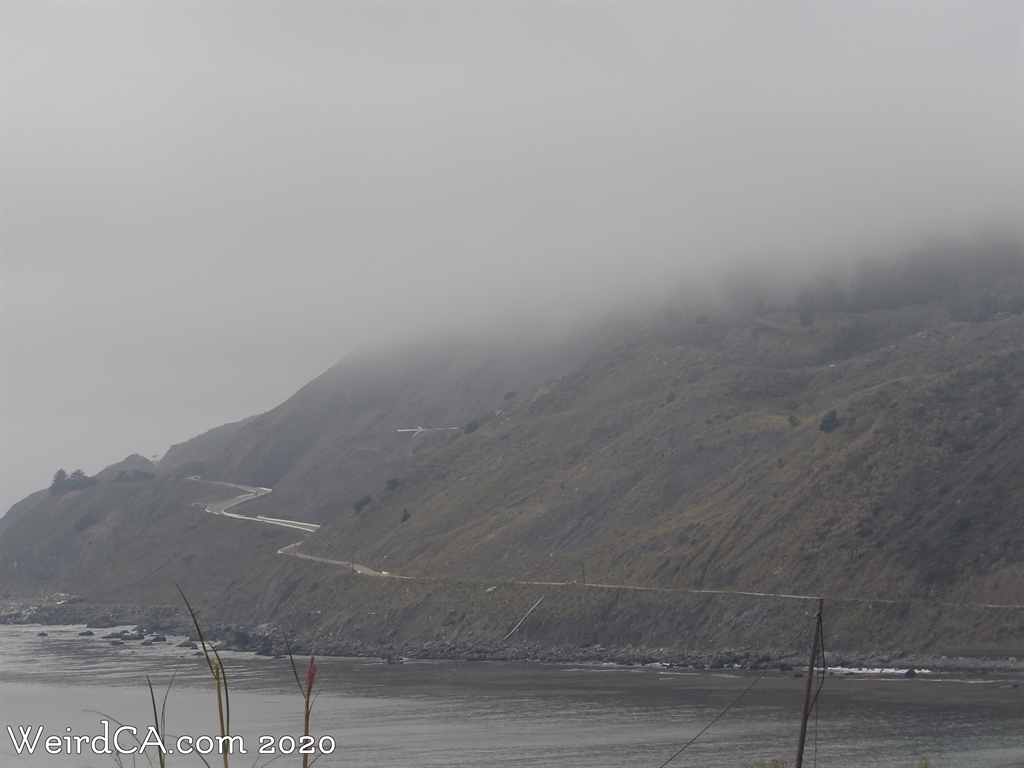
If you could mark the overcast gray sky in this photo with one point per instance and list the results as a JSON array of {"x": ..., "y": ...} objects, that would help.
[{"x": 205, "y": 205}]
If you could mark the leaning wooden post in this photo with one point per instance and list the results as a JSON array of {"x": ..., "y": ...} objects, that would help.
[{"x": 810, "y": 682}]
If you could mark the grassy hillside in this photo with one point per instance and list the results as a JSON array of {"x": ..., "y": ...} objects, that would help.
[
  {"x": 336, "y": 439},
  {"x": 863, "y": 444},
  {"x": 128, "y": 542},
  {"x": 692, "y": 456}
]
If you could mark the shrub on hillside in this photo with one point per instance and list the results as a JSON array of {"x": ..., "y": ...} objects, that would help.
[
  {"x": 358, "y": 506},
  {"x": 472, "y": 427},
  {"x": 829, "y": 421}
]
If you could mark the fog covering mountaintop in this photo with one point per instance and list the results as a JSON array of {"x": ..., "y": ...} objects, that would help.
[
  {"x": 206, "y": 205},
  {"x": 862, "y": 441}
]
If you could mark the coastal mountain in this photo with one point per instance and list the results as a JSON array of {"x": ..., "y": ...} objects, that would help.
[
  {"x": 19, "y": 510},
  {"x": 861, "y": 441}
]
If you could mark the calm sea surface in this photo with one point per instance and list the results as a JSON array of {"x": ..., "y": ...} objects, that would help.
[{"x": 467, "y": 714}]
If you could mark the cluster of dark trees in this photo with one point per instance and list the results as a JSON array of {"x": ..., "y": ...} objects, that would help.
[{"x": 63, "y": 482}]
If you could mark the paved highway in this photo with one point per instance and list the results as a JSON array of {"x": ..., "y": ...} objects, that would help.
[
  {"x": 250, "y": 493},
  {"x": 221, "y": 507}
]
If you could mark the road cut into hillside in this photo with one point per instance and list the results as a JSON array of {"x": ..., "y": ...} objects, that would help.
[{"x": 250, "y": 493}]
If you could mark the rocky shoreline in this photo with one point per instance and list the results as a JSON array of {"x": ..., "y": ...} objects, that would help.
[
  {"x": 66, "y": 609},
  {"x": 267, "y": 640}
]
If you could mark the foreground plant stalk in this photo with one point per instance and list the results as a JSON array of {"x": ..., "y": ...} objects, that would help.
[
  {"x": 220, "y": 679},
  {"x": 306, "y": 691}
]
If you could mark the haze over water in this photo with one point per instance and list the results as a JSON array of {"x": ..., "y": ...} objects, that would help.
[{"x": 479, "y": 715}]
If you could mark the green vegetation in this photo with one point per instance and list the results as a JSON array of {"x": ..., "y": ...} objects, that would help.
[
  {"x": 63, "y": 482},
  {"x": 220, "y": 681},
  {"x": 306, "y": 690},
  {"x": 680, "y": 455},
  {"x": 723, "y": 489},
  {"x": 829, "y": 421},
  {"x": 226, "y": 742}
]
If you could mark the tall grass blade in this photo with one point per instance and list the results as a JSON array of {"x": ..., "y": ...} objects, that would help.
[
  {"x": 306, "y": 691},
  {"x": 220, "y": 677},
  {"x": 156, "y": 720}
]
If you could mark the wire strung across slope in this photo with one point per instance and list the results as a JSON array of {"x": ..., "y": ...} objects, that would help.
[
  {"x": 788, "y": 596},
  {"x": 253, "y": 493},
  {"x": 744, "y": 693}
]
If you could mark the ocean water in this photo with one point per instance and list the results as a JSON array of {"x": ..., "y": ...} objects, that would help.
[{"x": 477, "y": 714}]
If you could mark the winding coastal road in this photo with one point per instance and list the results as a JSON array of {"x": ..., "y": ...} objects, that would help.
[
  {"x": 249, "y": 493},
  {"x": 290, "y": 550}
]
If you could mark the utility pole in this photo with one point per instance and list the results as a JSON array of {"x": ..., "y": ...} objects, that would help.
[{"x": 810, "y": 681}]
